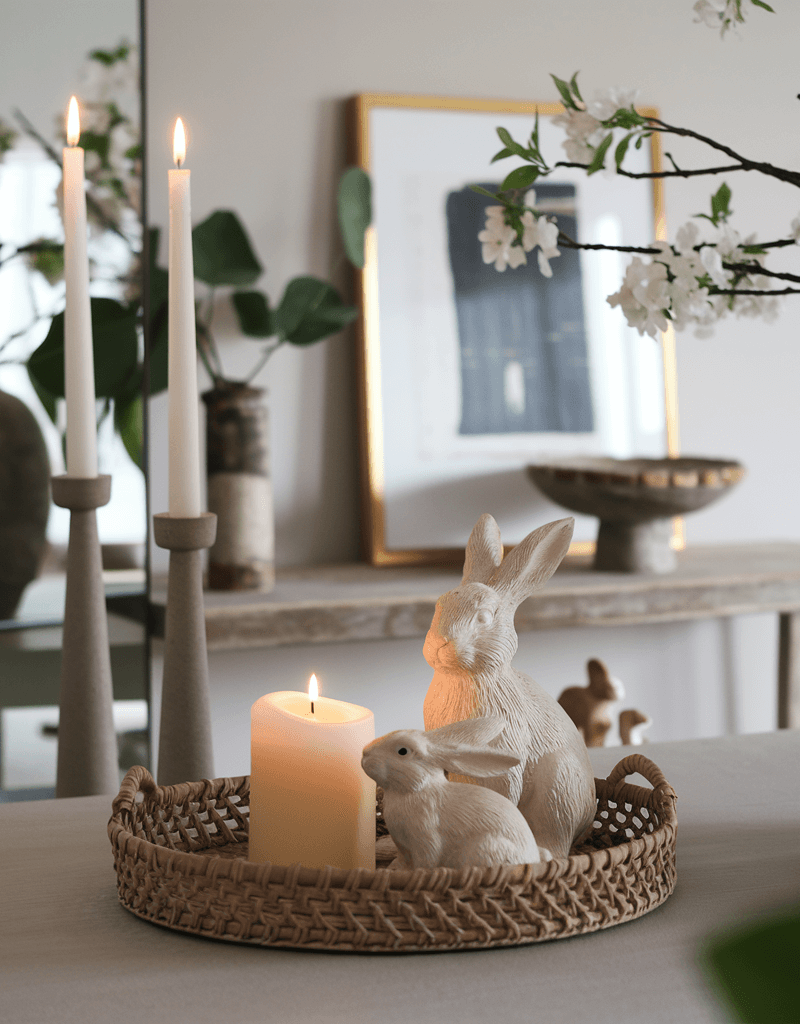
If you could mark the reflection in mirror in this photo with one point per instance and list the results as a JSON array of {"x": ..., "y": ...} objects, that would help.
[
  {"x": 90, "y": 50},
  {"x": 469, "y": 374}
]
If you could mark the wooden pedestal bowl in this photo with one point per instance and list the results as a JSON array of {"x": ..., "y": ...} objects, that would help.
[{"x": 634, "y": 500}]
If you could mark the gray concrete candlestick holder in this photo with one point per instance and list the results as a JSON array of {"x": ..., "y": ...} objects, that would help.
[
  {"x": 184, "y": 745},
  {"x": 87, "y": 745}
]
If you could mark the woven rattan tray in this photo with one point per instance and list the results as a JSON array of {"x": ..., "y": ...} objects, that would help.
[{"x": 180, "y": 854}]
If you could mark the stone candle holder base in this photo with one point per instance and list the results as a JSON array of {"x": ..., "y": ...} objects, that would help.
[
  {"x": 87, "y": 745},
  {"x": 184, "y": 746}
]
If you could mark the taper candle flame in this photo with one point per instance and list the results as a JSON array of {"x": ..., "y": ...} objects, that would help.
[
  {"x": 179, "y": 143},
  {"x": 73, "y": 123},
  {"x": 313, "y": 690}
]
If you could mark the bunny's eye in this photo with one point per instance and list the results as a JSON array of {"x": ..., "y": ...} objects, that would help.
[
  {"x": 402, "y": 750},
  {"x": 484, "y": 616}
]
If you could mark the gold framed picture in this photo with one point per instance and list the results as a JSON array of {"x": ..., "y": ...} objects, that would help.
[{"x": 467, "y": 375}]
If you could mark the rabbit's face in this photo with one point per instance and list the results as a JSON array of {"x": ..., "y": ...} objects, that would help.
[
  {"x": 472, "y": 630},
  {"x": 397, "y": 761}
]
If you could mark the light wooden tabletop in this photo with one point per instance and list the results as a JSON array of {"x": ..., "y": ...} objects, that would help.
[{"x": 69, "y": 952}]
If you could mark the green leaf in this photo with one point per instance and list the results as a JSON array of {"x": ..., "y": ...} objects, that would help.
[
  {"x": 760, "y": 3},
  {"x": 310, "y": 310},
  {"x": 94, "y": 142},
  {"x": 621, "y": 150},
  {"x": 514, "y": 147},
  {"x": 115, "y": 344},
  {"x": 47, "y": 400},
  {"x": 625, "y": 117},
  {"x": 720, "y": 204},
  {"x": 489, "y": 195},
  {"x": 566, "y": 96},
  {"x": 354, "y": 207},
  {"x": 520, "y": 177},
  {"x": 573, "y": 84},
  {"x": 129, "y": 422},
  {"x": 255, "y": 316},
  {"x": 222, "y": 251},
  {"x": 501, "y": 155},
  {"x": 599, "y": 155}
]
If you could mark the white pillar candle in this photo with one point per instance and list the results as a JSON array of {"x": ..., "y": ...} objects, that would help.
[
  {"x": 184, "y": 436},
  {"x": 78, "y": 357},
  {"x": 310, "y": 800}
]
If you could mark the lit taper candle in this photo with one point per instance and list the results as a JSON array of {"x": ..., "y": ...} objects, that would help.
[
  {"x": 184, "y": 436},
  {"x": 78, "y": 358}
]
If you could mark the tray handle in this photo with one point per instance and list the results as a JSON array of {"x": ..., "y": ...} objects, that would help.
[
  {"x": 635, "y": 764},
  {"x": 137, "y": 779}
]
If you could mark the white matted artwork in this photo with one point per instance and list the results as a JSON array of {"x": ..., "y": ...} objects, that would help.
[{"x": 469, "y": 374}]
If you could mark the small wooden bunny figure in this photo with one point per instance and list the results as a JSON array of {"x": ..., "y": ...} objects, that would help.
[
  {"x": 470, "y": 646},
  {"x": 589, "y": 706},
  {"x": 632, "y": 724}
]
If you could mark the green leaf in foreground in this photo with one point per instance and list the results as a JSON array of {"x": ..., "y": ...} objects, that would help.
[
  {"x": 222, "y": 251},
  {"x": 354, "y": 208}
]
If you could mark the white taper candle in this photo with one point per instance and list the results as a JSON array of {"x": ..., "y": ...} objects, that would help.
[
  {"x": 184, "y": 436},
  {"x": 78, "y": 357}
]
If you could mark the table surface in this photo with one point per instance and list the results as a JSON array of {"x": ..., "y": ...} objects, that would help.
[
  {"x": 70, "y": 953},
  {"x": 325, "y": 604}
]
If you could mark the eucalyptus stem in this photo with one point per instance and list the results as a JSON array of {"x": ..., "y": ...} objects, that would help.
[{"x": 266, "y": 353}]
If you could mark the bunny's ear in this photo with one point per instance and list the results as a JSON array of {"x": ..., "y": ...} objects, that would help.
[
  {"x": 479, "y": 763},
  {"x": 484, "y": 551},
  {"x": 472, "y": 732},
  {"x": 532, "y": 562},
  {"x": 598, "y": 673}
]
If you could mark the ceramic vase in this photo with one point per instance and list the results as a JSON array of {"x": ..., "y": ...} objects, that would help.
[
  {"x": 24, "y": 500},
  {"x": 239, "y": 488}
]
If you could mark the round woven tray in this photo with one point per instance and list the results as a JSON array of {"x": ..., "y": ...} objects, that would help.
[{"x": 180, "y": 854}]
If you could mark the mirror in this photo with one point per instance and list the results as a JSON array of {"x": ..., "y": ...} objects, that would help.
[
  {"x": 91, "y": 50},
  {"x": 469, "y": 375}
]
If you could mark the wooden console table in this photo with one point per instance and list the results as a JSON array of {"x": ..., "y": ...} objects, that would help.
[{"x": 358, "y": 602}]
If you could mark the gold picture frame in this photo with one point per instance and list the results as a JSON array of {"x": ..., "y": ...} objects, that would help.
[{"x": 376, "y": 549}]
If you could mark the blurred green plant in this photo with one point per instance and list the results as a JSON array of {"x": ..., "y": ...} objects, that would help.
[{"x": 309, "y": 310}]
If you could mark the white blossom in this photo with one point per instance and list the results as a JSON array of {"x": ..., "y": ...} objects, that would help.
[
  {"x": 643, "y": 296},
  {"x": 607, "y": 102},
  {"x": 721, "y": 14},
  {"x": 497, "y": 240},
  {"x": 584, "y": 134}
]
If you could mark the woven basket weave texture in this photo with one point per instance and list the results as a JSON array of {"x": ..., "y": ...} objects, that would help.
[{"x": 180, "y": 855}]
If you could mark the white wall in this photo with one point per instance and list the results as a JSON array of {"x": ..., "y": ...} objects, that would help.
[{"x": 261, "y": 86}]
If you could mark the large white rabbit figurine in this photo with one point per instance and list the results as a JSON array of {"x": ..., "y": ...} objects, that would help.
[
  {"x": 435, "y": 823},
  {"x": 470, "y": 646}
]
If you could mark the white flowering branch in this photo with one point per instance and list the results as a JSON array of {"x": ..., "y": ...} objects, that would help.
[{"x": 698, "y": 279}]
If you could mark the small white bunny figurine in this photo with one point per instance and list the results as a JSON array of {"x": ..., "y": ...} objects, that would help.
[
  {"x": 470, "y": 646},
  {"x": 436, "y": 823}
]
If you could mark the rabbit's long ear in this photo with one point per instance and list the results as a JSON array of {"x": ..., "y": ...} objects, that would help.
[
  {"x": 532, "y": 562},
  {"x": 598, "y": 673},
  {"x": 484, "y": 551},
  {"x": 480, "y": 763},
  {"x": 472, "y": 732}
]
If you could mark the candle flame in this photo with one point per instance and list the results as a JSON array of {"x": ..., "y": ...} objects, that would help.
[
  {"x": 73, "y": 123},
  {"x": 313, "y": 688},
  {"x": 179, "y": 143}
]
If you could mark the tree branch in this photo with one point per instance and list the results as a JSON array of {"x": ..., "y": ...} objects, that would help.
[
  {"x": 570, "y": 243},
  {"x": 791, "y": 177},
  {"x": 756, "y": 268},
  {"x": 664, "y": 174}
]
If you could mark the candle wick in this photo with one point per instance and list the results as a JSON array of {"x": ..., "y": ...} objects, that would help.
[{"x": 312, "y": 707}]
